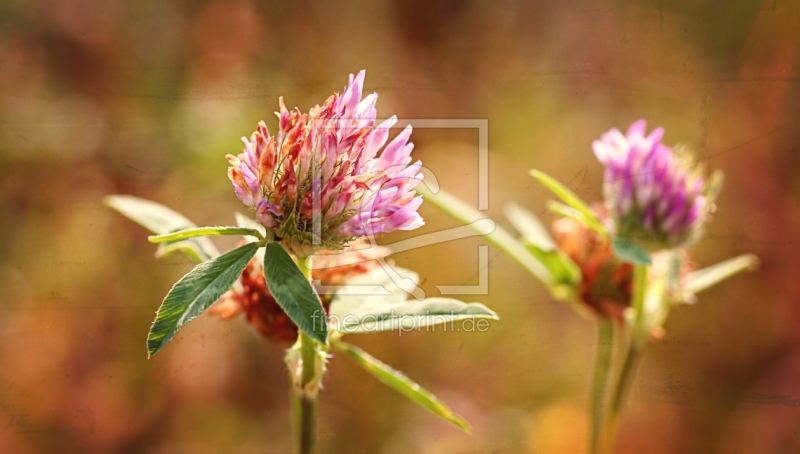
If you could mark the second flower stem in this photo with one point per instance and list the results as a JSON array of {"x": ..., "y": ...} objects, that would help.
[
  {"x": 631, "y": 358},
  {"x": 618, "y": 399},
  {"x": 605, "y": 337}
]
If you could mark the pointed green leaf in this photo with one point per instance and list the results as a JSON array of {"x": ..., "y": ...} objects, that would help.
[
  {"x": 402, "y": 384},
  {"x": 186, "y": 247},
  {"x": 151, "y": 215},
  {"x": 629, "y": 251},
  {"x": 159, "y": 219},
  {"x": 294, "y": 293},
  {"x": 570, "y": 199},
  {"x": 529, "y": 226},
  {"x": 500, "y": 238},
  {"x": 203, "y": 231},
  {"x": 565, "y": 271},
  {"x": 195, "y": 292},
  {"x": 562, "y": 210},
  {"x": 700, "y": 280},
  {"x": 372, "y": 302},
  {"x": 539, "y": 243},
  {"x": 414, "y": 315}
]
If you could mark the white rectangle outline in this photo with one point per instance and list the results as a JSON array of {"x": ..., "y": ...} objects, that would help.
[{"x": 481, "y": 124}]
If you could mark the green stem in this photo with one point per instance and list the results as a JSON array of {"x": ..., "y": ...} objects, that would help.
[
  {"x": 203, "y": 231},
  {"x": 305, "y": 404},
  {"x": 304, "y": 408},
  {"x": 605, "y": 336},
  {"x": 617, "y": 401},
  {"x": 631, "y": 358}
]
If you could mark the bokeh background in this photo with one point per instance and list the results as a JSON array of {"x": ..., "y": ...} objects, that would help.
[{"x": 147, "y": 97}]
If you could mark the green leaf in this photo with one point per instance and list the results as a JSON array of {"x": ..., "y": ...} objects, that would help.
[
  {"x": 153, "y": 216},
  {"x": 702, "y": 279},
  {"x": 373, "y": 302},
  {"x": 539, "y": 243},
  {"x": 203, "y": 231},
  {"x": 402, "y": 384},
  {"x": 565, "y": 271},
  {"x": 185, "y": 247},
  {"x": 195, "y": 292},
  {"x": 159, "y": 219},
  {"x": 629, "y": 251},
  {"x": 294, "y": 293},
  {"x": 416, "y": 314},
  {"x": 570, "y": 199},
  {"x": 562, "y": 210},
  {"x": 500, "y": 238},
  {"x": 529, "y": 227}
]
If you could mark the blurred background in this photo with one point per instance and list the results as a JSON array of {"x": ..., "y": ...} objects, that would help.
[{"x": 147, "y": 97}]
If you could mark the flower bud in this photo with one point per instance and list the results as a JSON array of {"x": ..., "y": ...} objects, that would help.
[{"x": 657, "y": 196}]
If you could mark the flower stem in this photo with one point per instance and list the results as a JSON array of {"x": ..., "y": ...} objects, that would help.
[
  {"x": 625, "y": 379},
  {"x": 605, "y": 336},
  {"x": 631, "y": 358},
  {"x": 305, "y": 404}
]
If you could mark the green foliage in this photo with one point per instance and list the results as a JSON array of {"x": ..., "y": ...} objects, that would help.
[
  {"x": 572, "y": 200},
  {"x": 294, "y": 293},
  {"x": 562, "y": 210},
  {"x": 390, "y": 310},
  {"x": 529, "y": 226},
  {"x": 629, "y": 251},
  {"x": 195, "y": 292},
  {"x": 402, "y": 384},
  {"x": 541, "y": 245},
  {"x": 161, "y": 220},
  {"x": 702, "y": 279}
]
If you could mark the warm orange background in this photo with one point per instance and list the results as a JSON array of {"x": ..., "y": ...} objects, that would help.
[{"x": 146, "y": 98}]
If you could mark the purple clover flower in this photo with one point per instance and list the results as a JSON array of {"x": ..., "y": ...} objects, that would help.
[
  {"x": 320, "y": 183},
  {"x": 656, "y": 195}
]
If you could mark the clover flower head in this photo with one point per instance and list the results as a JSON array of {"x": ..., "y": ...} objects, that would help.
[
  {"x": 320, "y": 182},
  {"x": 657, "y": 196}
]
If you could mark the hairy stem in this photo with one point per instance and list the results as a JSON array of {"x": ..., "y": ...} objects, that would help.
[{"x": 305, "y": 404}]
